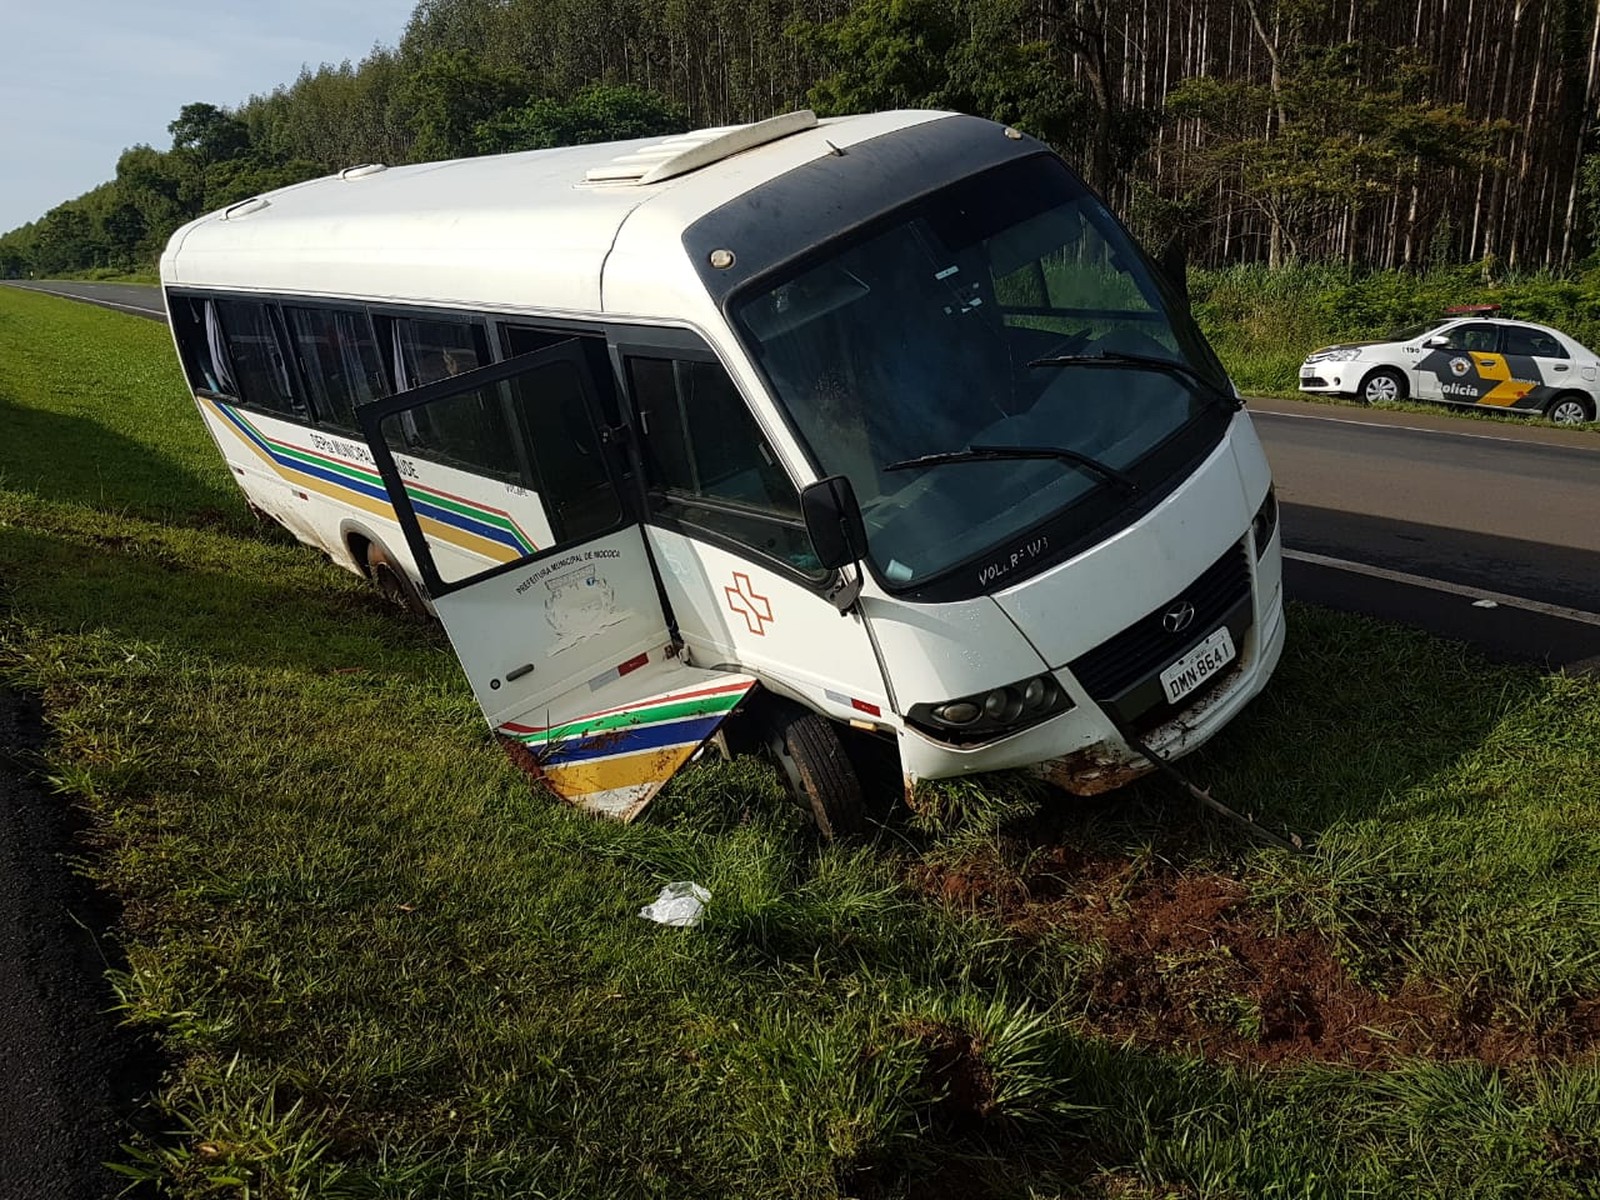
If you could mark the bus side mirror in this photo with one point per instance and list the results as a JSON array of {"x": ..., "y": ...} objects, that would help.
[{"x": 833, "y": 522}]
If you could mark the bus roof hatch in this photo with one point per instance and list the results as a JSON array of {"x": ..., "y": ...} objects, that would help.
[{"x": 686, "y": 152}]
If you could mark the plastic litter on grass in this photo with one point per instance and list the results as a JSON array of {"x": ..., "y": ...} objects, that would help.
[{"x": 679, "y": 904}]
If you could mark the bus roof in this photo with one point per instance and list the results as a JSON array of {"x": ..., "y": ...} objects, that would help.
[{"x": 525, "y": 230}]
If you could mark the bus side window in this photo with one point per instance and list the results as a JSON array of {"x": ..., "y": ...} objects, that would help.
[
  {"x": 579, "y": 498},
  {"x": 707, "y": 463},
  {"x": 424, "y": 350},
  {"x": 470, "y": 431},
  {"x": 339, "y": 360},
  {"x": 255, "y": 359},
  {"x": 196, "y": 346}
]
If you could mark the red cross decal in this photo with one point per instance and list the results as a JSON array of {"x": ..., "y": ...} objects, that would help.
[{"x": 756, "y": 610}]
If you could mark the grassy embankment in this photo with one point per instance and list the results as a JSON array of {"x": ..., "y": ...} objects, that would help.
[
  {"x": 1263, "y": 323},
  {"x": 382, "y": 966}
]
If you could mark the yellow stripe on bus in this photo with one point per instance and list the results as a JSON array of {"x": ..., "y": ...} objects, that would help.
[
  {"x": 377, "y": 508},
  {"x": 467, "y": 541},
  {"x": 448, "y": 534},
  {"x": 574, "y": 781}
]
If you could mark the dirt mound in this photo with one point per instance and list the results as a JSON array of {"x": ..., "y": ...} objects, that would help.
[{"x": 1183, "y": 959}]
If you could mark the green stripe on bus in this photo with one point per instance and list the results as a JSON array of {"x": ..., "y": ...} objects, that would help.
[
  {"x": 329, "y": 464},
  {"x": 672, "y": 711},
  {"x": 487, "y": 516}
]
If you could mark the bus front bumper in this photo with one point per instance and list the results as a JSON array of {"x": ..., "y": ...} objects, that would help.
[{"x": 1082, "y": 751}]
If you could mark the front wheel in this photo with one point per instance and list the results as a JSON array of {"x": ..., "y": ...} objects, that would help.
[
  {"x": 1570, "y": 408},
  {"x": 808, "y": 751},
  {"x": 392, "y": 582},
  {"x": 1383, "y": 386}
]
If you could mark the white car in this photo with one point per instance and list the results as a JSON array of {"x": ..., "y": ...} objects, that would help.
[{"x": 1465, "y": 360}]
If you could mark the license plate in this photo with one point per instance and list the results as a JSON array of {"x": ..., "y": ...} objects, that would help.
[
  {"x": 1199, "y": 665},
  {"x": 1308, "y": 374}
]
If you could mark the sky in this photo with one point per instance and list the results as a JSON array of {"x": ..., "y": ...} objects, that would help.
[{"x": 85, "y": 79}]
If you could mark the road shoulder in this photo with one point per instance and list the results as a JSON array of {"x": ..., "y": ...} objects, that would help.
[{"x": 69, "y": 1077}]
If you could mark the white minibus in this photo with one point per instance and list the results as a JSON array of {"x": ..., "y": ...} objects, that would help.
[{"x": 879, "y": 422}]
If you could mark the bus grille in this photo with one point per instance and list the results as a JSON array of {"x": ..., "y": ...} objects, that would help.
[{"x": 1119, "y": 663}]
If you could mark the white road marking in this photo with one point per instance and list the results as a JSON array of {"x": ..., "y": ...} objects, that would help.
[
  {"x": 1482, "y": 437},
  {"x": 1477, "y": 595},
  {"x": 149, "y": 312}
]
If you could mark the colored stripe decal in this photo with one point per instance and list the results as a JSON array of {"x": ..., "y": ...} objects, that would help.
[
  {"x": 632, "y": 740},
  {"x": 1495, "y": 369},
  {"x": 490, "y": 532},
  {"x": 644, "y": 772},
  {"x": 657, "y": 708},
  {"x": 652, "y": 715}
]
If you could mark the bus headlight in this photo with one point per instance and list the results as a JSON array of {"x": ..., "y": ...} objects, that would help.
[{"x": 987, "y": 715}]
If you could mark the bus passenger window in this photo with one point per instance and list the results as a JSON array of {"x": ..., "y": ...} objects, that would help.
[
  {"x": 425, "y": 351},
  {"x": 707, "y": 463},
  {"x": 194, "y": 325},
  {"x": 467, "y": 431},
  {"x": 254, "y": 358},
  {"x": 578, "y": 496},
  {"x": 340, "y": 361},
  {"x": 470, "y": 430}
]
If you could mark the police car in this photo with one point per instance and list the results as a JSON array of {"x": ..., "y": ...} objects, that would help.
[{"x": 1465, "y": 357}]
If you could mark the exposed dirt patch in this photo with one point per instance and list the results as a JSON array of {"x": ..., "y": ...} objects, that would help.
[
  {"x": 955, "y": 1075},
  {"x": 1183, "y": 959}
]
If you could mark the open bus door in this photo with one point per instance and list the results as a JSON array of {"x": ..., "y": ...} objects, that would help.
[{"x": 567, "y": 646}]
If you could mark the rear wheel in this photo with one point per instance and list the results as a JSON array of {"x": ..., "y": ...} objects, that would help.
[
  {"x": 393, "y": 584},
  {"x": 1383, "y": 386},
  {"x": 808, "y": 751},
  {"x": 1570, "y": 408}
]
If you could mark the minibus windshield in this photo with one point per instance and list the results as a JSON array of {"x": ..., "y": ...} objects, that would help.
[{"x": 907, "y": 354}]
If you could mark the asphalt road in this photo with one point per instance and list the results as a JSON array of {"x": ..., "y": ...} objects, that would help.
[
  {"x": 1474, "y": 530},
  {"x": 141, "y": 299}
]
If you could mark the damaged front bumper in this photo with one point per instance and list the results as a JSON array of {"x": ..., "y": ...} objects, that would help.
[{"x": 1082, "y": 751}]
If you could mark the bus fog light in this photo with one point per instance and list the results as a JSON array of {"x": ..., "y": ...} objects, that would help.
[{"x": 961, "y": 712}]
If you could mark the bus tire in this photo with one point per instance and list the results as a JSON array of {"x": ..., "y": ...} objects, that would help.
[
  {"x": 1570, "y": 408},
  {"x": 393, "y": 584},
  {"x": 811, "y": 757}
]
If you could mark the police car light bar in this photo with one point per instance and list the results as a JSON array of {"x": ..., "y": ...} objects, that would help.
[{"x": 1472, "y": 310}]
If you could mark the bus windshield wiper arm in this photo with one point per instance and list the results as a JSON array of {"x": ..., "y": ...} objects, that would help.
[
  {"x": 1141, "y": 362},
  {"x": 1003, "y": 453}
]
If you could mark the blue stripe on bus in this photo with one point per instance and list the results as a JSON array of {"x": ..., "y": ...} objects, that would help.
[
  {"x": 450, "y": 517},
  {"x": 631, "y": 741},
  {"x": 444, "y": 516}
]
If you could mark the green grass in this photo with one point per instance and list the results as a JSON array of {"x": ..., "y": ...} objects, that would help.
[{"x": 381, "y": 965}]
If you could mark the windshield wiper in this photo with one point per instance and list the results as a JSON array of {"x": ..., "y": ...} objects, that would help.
[
  {"x": 1142, "y": 362},
  {"x": 1010, "y": 453}
]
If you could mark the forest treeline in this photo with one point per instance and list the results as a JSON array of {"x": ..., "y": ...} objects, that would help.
[{"x": 1361, "y": 132}]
